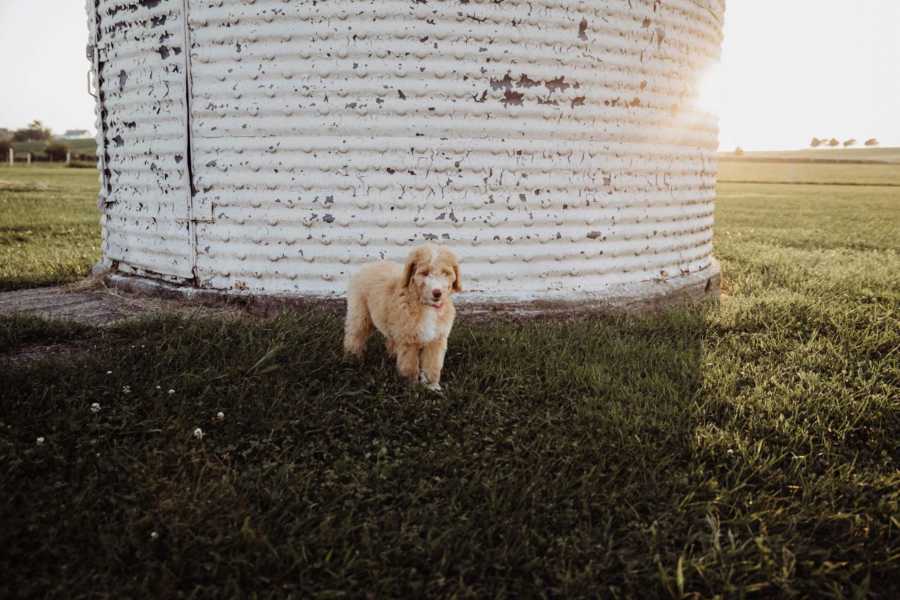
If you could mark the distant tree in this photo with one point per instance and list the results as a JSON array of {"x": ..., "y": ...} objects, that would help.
[
  {"x": 5, "y": 145},
  {"x": 834, "y": 143},
  {"x": 816, "y": 142},
  {"x": 34, "y": 132},
  {"x": 738, "y": 151},
  {"x": 871, "y": 142},
  {"x": 850, "y": 142},
  {"x": 57, "y": 151}
]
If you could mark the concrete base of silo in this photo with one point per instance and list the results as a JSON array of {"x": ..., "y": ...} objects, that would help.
[{"x": 642, "y": 297}]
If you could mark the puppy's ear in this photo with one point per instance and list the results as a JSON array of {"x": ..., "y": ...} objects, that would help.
[
  {"x": 411, "y": 264},
  {"x": 457, "y": 283}
]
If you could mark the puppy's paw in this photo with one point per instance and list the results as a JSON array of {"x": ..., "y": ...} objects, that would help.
[{"x": 431, "y": 387}]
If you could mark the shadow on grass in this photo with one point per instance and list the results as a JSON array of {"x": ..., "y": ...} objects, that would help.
[{"x": 571, "y": 458}]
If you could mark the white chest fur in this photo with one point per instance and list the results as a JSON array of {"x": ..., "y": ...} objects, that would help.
[{"x": 428, "y": 327}]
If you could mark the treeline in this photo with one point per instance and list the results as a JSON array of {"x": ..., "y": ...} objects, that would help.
[
  {"x": 35, "y": 132},
  {"x": 38, "y": 141},
  {"x": 834, "y": 142}
]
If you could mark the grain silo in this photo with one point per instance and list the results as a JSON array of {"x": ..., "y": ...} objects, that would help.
[{"x": 268, "y": 147}]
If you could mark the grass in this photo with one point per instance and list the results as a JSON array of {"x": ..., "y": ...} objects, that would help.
[
  {"x": 744, "y": 449},
  {"x": 879, "y": 167},
  {"x": 852, "y": 174},
  {"x": 49, "y": 225}
]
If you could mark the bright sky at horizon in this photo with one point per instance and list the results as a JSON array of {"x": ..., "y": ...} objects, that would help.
[{"x": 792, "y": 69}]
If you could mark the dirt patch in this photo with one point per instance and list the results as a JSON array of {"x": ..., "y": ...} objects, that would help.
[
  {"x": 28, "y": 354},
  {"x": 90, "y": 307},
  {"x": 91, "y": 302}
]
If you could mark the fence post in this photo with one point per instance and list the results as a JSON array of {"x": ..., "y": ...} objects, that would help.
[
  {"x": 29, "y": 158},
  {"x": 12, "y": 157},
  {"x": 68, "y": 157}
]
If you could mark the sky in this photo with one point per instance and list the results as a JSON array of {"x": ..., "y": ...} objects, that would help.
[
  {"x": 43, "y": 69},
  {"x": 794, "y": 69},
  {"x": 791, "y": 70}
]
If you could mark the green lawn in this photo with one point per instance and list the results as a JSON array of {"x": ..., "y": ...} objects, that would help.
[
  {"x": 49, "y": 225},
  {"x": 744, "y": 449}
]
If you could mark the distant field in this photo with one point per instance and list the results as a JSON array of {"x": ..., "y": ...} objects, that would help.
[
  {"x": 887, "y": 154},
  {"x": 813, "y": 173},
  {"x": 49, "y": 224},
  {"x": 862, "y": 166}
]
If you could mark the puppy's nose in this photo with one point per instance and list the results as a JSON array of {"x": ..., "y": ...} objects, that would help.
[{"x": 436, "y": 293}]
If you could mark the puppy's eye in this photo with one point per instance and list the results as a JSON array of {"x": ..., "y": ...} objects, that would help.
[{"x": 425, "y": 273}]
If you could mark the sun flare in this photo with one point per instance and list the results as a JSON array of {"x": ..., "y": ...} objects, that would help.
[{"x": 710, "y": 90}]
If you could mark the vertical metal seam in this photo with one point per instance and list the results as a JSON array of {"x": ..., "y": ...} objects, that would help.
[
  {"x": 106, "y": 184},
  {"x": 188, "y": 158}
]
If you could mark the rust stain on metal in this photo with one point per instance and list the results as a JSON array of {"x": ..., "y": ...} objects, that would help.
[{"x": 513, "y": 98}]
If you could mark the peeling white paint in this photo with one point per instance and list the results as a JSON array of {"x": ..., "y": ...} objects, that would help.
[
  {"x": 142, "y": 123},
  {"x": 553, "y": 144}
]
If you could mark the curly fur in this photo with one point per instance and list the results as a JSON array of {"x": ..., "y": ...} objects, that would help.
[{"x": 411, "y": 305}]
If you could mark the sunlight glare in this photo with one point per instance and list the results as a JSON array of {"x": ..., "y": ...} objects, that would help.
[{"x": 710, "y": 91}]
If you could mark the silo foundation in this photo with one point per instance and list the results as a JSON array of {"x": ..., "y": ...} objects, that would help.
[{"x": 633, "y": 298}]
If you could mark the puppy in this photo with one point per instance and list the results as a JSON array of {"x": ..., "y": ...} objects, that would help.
[{"x": 411, "y": 305}]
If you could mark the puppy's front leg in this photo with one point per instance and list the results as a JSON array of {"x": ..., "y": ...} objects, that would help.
[
  {"x": 433, "y": 362},
  {"x": 408, "y": 361}
]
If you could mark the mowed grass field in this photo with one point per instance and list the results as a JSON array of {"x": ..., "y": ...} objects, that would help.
[
  {"x": 878, "y": 167},
  {"x": 745, "y": 449},
  {"x": 871, "y": 174},
  {"x": 49, "y": 225}
]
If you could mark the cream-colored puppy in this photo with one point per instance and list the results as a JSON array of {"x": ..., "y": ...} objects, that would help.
[{"x": 411, "y": 305}]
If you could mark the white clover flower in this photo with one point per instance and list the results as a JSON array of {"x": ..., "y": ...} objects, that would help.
[
  {"x": 198, "y": 433},
  {"x": 153, "y": 535},
  {"x": 40, "y": 440},
  {"x": 171, "y": 391},
  {"x": 159, "y": 387},
  {"x": 109, "y": 372},
  {"x": 220, "y": 415},
  {"x": 126, "y": 389},
  {"x": 95, "y": 407}
]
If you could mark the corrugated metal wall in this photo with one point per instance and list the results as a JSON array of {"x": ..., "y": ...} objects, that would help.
[
  {"x": 553, "y": 144},
  {"x": 140, "y": 61}
]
